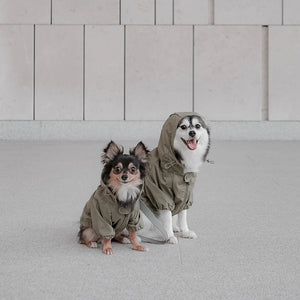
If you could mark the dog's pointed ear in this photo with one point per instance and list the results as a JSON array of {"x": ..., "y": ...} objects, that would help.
[
  {"x": 141, "y": 151},
  {"x": 110, "y": 152}
]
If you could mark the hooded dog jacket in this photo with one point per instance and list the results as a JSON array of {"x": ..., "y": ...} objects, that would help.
[
  {"x": 167, "y": 187},
  {"x": 106, "y": 217}
]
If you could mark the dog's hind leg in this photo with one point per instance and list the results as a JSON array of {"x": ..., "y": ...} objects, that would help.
[{"x": 88, "y": 237}]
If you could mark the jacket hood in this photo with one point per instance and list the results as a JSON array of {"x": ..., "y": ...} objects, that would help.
[{"x": 166, "y": 141}]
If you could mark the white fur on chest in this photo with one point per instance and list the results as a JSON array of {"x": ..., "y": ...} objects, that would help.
[
  {"x": 126, "y": 193},
  {"x": 192, "y": 161}
]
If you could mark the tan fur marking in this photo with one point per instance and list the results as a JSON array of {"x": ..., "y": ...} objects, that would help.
[
  {"x": 135, "y": 179},
  {"x": 115, "y": 180}
]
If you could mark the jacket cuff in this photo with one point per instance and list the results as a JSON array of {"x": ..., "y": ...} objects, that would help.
[
  {"x": 133, "y": 228},
  {"x": 108, "y": 237}
]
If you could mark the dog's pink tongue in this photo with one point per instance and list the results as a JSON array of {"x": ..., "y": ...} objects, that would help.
[{"x": 192, "y": 144}]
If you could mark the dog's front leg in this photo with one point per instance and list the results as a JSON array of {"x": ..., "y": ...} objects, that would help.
[
  {"x": 107, "y": 248},
  {"x": 183, "y": 226},
  {"x": 135, "y": 243},
  {"x": 165, "y": 216}
]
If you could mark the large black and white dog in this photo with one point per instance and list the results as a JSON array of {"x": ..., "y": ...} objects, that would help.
[{"x": 182, "y": 149}]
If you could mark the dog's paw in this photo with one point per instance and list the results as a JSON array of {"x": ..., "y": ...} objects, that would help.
[
  {"x": 188, "y": 234},
  {"x": 126, "y": 240},
  {"x": 108, "y": 251},
  {"x": 92, "y": 245},
  {"x": 172, "y": 240},
  {"x": 176, "y": 228},
  {"x": 140, "y": 248}
]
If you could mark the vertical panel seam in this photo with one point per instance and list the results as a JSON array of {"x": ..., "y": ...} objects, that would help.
[
  {"x": 120, "y": 12},
  {"x": 154, "y": 12},
  {"x": 282, "y": 12},
  {"x": 193, "y": 70},
  {"x": 51, "y": 11},
  {"x": 124, "y": 82},
  {"x": 173, "y": 17},
  {"x": 33, "y": 98},
  {"x": 211, "y": 12},
  {"x": 83, "y": 74},
  {"x": 265, "y": 73}
]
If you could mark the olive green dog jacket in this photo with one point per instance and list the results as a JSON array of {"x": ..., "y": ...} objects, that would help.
[
  {"x": 166, "y": 186},
  {"x": 106, "y": 217}
]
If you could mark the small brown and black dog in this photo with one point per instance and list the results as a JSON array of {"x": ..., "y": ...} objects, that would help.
[{"x": 114, "y": 207}]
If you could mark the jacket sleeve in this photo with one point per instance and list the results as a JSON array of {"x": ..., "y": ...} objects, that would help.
[
  {"x": 135, "y": 221},
  {"x": 101, "y": 220}
]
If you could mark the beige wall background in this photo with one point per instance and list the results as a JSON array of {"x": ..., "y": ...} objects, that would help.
[{"x": 125, "y": 63}]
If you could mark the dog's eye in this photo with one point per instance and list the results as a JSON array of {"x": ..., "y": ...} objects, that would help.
[
  {"x": 132, "y": 170},
  {"x": 183, "y": 127},
  {"x": 198, "y": 126},
  {"x": 117, "y": 170}
]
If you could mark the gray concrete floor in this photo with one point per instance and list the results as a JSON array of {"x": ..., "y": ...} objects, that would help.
[{"x": 246, "y": 213}]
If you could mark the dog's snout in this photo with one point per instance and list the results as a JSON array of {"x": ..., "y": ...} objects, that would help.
[
  {"x": 192, "y": 133},
  {"x": 124, "y": 177}
]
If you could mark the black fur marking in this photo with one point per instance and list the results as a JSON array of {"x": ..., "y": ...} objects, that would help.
[
  {"x": 190, "y": 119},
  {"x": 177, "y": 155},
  {"x": 208, "y": 145}
]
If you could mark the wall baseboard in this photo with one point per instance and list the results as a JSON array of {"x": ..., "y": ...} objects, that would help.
[{"x": 142, "y": 130}]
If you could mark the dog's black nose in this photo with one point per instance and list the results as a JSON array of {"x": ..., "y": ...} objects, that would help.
[
  {"x": 192, "y": 133},
  {"x": 124, "y": 177}
]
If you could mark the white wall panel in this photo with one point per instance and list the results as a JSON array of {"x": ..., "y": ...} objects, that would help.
[
  {"x": 25, "y": 12},
  {"x": 158, "y": 71},
  {"x": 137, "y": 11},
  {"x": 191, "y": 11},
  {"x": 104, "y": 73},
  {"x": 16, "y": 72},
  {"x": 284, "y": 73},
  {"x": 291, "y": 12},
  {"x": 228, "y": 66},
  {"x": 85, "y": 12},
  {"x": 251, "y": 12},
  {"x": 164, "y": 11},
  {"x": 59, "y": 72}
]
